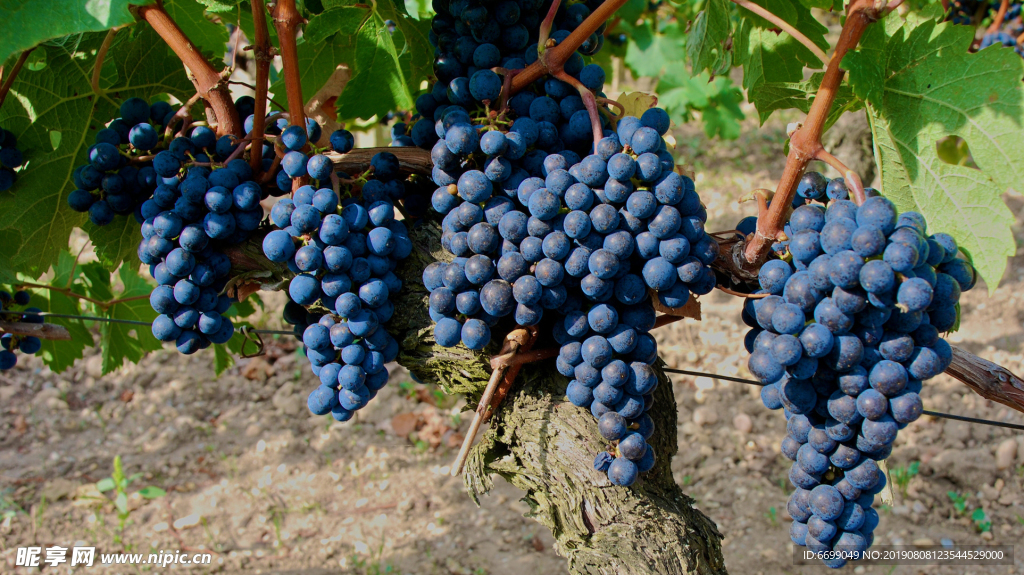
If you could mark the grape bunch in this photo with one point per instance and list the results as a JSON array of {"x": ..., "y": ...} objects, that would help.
[
  {"x": 12, "y": 309},
  {"x": 578, "y": 244},
  {"x": 110, "y": 183},
  {"x": 11, "y": 158},
  {"x": 194, "y": 213},
  {"x": 843, "y": 339},
  {"x": 343, "y": 255},
  {"x": 472, "y": 38}
]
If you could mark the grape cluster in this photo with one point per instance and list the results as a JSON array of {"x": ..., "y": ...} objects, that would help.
[
  {"x": 548, "y": 227},
  {"x": 471, "y": 38},
  {"x": 544, "y": 235},
  {"x": 344, "y": 255},
  {"x": 110, "y": 184},
  {"x": 848, "y": 331},
  {"x": 11, "y": 158},
  {"x": 195, "y": 212},
  {"x": 12, "y": 309}
]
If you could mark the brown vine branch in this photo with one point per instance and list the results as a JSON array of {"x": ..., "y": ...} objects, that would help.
[
  {"x": 518, "y": 339},
  {"x": 40, "y": 330},
  {"x": 1000, "y": 16},
  {"x": 183, "y": 115},
  {"x": 411, "y": 160},
  {"x": 9, "y": 80},
  {"x": 261, "y": 52},
  {"x": 849, "y": 176},
  {"x": 805, "y": 142},
  {"x": 987, "y": 379},
  {"x": 209, "y": 83},
  {"x": 555, "y": 57},
  {"x": 784, "y": 26},
  {"x": 286, "y": 21},
  {"x": 101, "y": 55}
]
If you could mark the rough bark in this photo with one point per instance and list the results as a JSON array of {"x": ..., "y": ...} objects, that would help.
[{"x": 544, "y": 445}]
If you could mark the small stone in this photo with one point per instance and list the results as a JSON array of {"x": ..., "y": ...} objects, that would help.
[
  {"x": 987, "y": 536},
  {"x": 742, "y": 423},
  {"x": 704, "y": 415},
  {"x": 187, "y": 521},
  {"x": 946, "y": 542},
  {"x": 923, "y": 542},
  {"x": 1006, "y": 453},
  {"x": 919, "y": 508}
]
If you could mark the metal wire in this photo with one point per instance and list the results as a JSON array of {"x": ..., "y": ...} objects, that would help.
[
  {"x": 134, "y": 322},
  {"x": 938, "y": 414}
]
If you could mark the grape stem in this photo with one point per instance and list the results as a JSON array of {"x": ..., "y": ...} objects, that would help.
[
  {"x": 210, "y": 85},
  {"x": 545, "y": 27},
  {"x": 67, "y": 291},
  {"x": 520, "y": 339},
  {"x": 851, "y": 177},
  {"x": 101, "y": 55},
  {"x": 261, "y": 52},
  {"x": 183, "y": 115},
  {"x": 805, "y": 142},
  {"x": 9, "y": 80},
  {"x": 553, "y": 59},
  {"x": 997, "y": 22},
  {"x": 784, "y": 26},
  {"x": 589, "y": 102},
  {"x": 286, "y": 21}
]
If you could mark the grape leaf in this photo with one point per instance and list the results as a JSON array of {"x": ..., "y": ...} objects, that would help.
[
  {"x": 341, "y": 20},
  {"x": 219, "y": 5},
  {"x": 60, "y": 355},
  {"x": 771, "y": 96},
  {"x": 119, "y": 342},
  {"x": 717, "y": 100},
  {"x": 190, "y": 16},
  {"x": 650, "y": 51},
  {"x": 29, "y": 23},
  {"x": 376, "y": 70},
  {"x": 922, "y": 85},
  {"x": 768, "y": 55},
  {"x": 34, "y": 215},
  {"x": 704, "y": 44},
  {"x": 318, "y": 61}
]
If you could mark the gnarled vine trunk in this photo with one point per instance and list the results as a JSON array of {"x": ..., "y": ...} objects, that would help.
[{"x": 544, "y": 445}]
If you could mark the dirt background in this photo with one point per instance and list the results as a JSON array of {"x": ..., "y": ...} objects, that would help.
[{"x": 254, "y": 479}]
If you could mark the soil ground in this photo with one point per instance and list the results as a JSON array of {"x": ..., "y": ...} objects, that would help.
[{"x": 254, "y": 479}]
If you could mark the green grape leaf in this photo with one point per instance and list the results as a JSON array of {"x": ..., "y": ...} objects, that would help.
[
  {"x": 771, "y": 96},
  {"x": 651, "y": 52},
  {"x": 717, "y": 100},
  {"x": 344, "y": 20},
  {"x": 318, "y": 61},
  {"x": 117, "y": 241},
  {"x": 922, "y": 85},
  {"x": 376, "y": 70},
  {"x": 60, "y": 355},
  {"x": 222, "y": 357},
  {"x": 35, "y": 220},
  {"x": 219, "y": 5},
  {"x": 704, "y": 44},
  {"x": 632, "y": 10},
  {"x": 190, "y": 16},
  {"x": 120, "y": 342},
  {"x": 768, "y": 55},
  {"x": 96, "y": 281},
  {"x": 29, "y": 23}
]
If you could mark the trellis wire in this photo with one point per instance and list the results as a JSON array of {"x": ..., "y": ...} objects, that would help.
[
  {"x": 134, "y": 322},
  {"x": 938, "y": 414}
]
